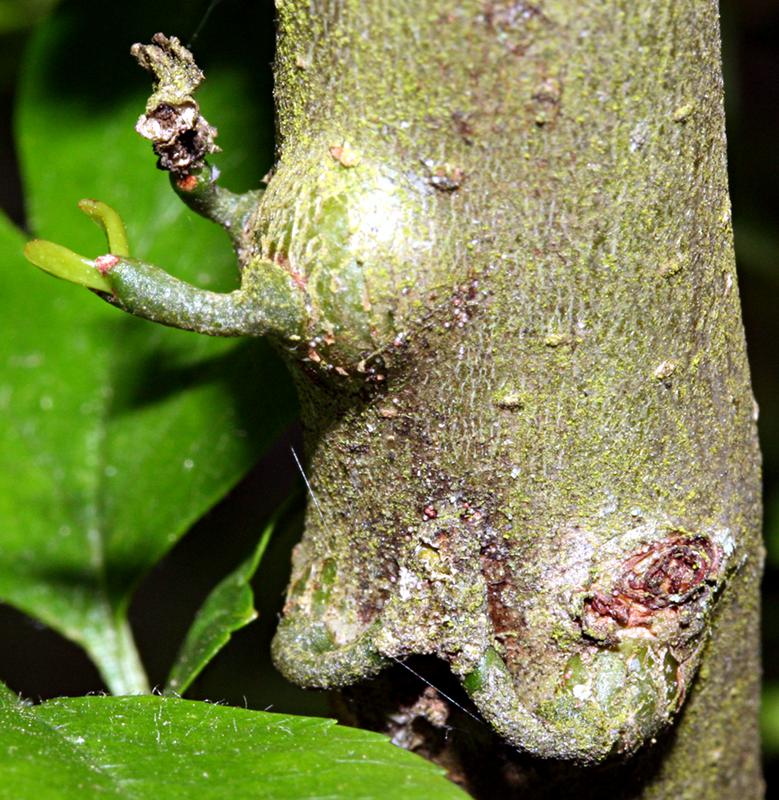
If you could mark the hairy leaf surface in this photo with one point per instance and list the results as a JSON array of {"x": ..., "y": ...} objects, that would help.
[{"x": 140, "y": 747}]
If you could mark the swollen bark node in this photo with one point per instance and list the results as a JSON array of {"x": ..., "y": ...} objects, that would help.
[
  {"x": 554, "y": 488},
  {"x": 496, "y": 252}
]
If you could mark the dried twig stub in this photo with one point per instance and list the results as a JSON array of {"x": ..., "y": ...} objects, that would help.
[{"x": 181, "y": 135}]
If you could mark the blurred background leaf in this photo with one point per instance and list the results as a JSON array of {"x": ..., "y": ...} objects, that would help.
[
  {"x": 118, "y": 434},
  {"x": 17, "y": 14},
  {"x": 228, "y": 608}
]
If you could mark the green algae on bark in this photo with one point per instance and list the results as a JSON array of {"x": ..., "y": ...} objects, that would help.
[{"x": 575, "y": 395}]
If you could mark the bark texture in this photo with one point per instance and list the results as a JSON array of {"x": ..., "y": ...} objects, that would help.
[{"x": 526, "y": 377}]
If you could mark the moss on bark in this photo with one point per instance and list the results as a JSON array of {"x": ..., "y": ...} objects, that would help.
[{"x": 552, "y": 361}]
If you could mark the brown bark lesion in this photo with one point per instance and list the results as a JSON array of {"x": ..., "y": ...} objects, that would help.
[{"x": 665, "y": 574}]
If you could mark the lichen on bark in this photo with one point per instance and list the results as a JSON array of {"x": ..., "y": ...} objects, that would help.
[{"x": 575, "y": 385}]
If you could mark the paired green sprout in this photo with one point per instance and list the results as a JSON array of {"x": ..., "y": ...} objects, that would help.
[{"x": 64, "y": 263}]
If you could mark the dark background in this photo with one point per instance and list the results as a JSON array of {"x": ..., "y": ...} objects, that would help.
[{"x": 41, "y": 664}]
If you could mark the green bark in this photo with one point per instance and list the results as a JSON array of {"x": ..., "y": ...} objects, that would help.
[{"x": 568, "y": 382}]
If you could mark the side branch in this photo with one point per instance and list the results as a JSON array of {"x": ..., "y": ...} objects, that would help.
[{"x": 275, "y": 306}]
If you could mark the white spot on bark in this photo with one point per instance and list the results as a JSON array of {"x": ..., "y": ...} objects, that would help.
[{"x": 582, "y": 691}]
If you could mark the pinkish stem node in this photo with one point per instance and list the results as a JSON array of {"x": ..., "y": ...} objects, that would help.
[{"x": 105, "y": 264}]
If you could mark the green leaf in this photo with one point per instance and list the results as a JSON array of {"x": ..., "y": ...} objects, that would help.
[
  {"x": 36, "y": 761},
  {"x": 117, "y": 434},
  {"x": 769, "y": 717},
  {"x": 6, "y": 695},
  {"x": 228, "y": 608},
  {"x": 142, "y": 747},
  {"x": 15, "y": 14},
  {"x": 63, "y": 263}
]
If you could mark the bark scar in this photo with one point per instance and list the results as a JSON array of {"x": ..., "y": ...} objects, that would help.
[{"x": 668, "y": 573}]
